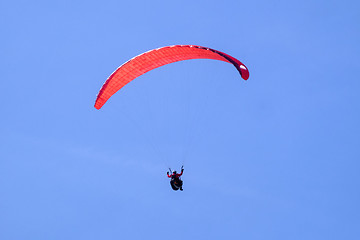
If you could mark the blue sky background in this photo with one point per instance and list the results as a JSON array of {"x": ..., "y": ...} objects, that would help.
[{"x": 274, "y": 157}]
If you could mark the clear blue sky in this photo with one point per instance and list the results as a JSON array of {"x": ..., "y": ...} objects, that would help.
[{"x": 274, "y": 157}]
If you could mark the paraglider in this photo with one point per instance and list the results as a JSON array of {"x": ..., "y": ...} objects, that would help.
[
  {"x": 152, "y": 59},
  {"x": 156, "y": 58},
  {"x": 176, "y": 182}
]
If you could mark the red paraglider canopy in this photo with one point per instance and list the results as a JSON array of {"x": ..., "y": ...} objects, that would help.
[{"x": 157, "y": 58}]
